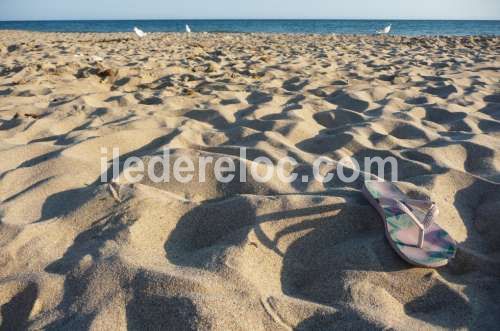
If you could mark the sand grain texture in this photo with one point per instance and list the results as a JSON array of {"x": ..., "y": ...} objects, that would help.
[{"x": 79, "y": 254}]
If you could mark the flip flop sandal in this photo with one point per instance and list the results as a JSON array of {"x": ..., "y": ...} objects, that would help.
[{"x": 410, "y": 227}]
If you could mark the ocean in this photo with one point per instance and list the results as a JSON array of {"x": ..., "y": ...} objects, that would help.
[{"x": 399, "y": 27}]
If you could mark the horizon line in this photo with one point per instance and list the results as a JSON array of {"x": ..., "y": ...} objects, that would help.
[{"x": 249, "y": 19}]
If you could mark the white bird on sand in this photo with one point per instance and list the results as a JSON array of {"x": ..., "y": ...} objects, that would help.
[
  {"x": 188, "y": 29},
  {"x": 386, "y": 30},
  {"x": 139, "y": 32}
]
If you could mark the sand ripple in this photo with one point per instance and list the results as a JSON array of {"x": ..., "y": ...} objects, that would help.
[{"x": 239, "y": 256}]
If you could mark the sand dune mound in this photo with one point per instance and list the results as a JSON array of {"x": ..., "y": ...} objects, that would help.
[{"x": 77, "y": 252}]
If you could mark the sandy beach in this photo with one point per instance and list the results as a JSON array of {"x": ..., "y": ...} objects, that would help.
[{"x": 77, "y": 253}]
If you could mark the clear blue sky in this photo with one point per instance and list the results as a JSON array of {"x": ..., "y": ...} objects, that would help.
[{"x": 193, "y": 9}]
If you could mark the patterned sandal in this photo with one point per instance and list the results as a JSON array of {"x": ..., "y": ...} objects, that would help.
[{"x": 410, "y": 227}]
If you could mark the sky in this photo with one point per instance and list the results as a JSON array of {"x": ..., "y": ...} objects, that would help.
[{"x": 233, "y": 9}]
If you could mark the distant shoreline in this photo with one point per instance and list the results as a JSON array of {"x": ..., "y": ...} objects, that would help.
[
  {"x": 288, "y": 26},
  {"x": 261, "y": 34}
]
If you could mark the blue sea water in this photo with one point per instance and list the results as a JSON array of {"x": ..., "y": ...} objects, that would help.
[{"x": 400, "y": 27}]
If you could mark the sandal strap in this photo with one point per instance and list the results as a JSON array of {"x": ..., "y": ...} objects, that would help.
[
  {"x": 405, "y": 206},
  {"x": 431, "y": 214}
]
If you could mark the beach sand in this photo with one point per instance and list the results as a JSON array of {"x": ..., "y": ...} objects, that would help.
[{"x": 76, "y": 253}]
